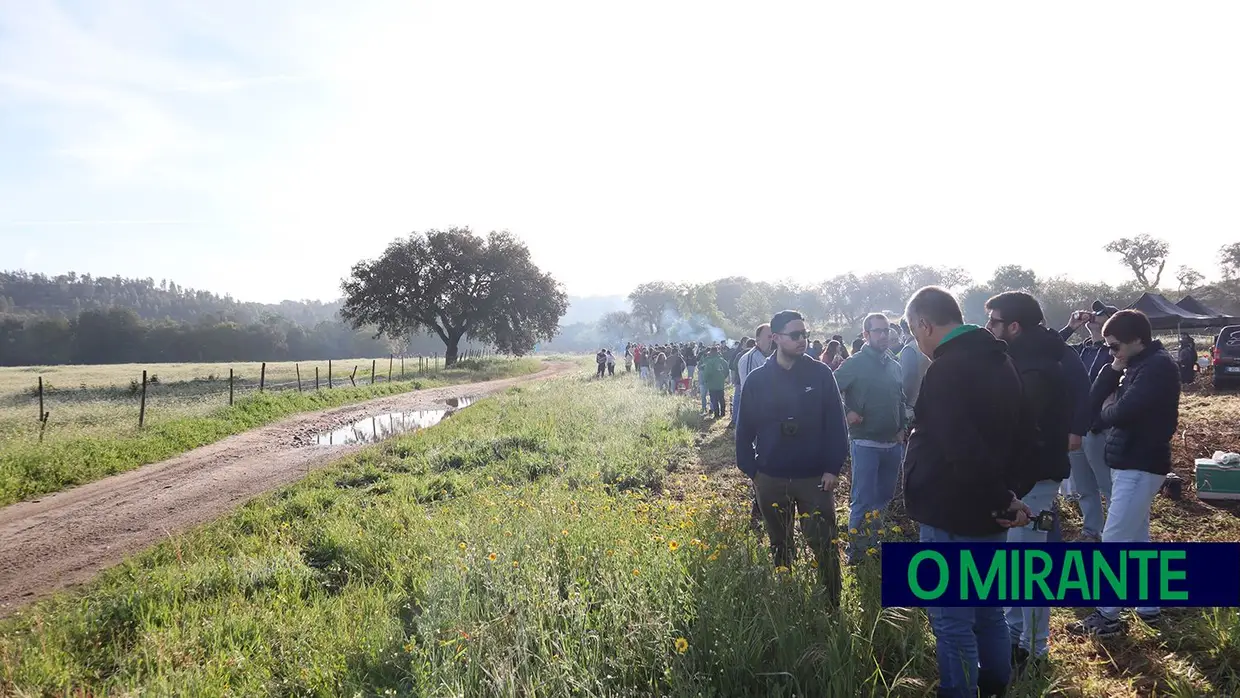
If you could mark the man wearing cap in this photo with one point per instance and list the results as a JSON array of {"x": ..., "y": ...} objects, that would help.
[{"x": 1091, "y": 478}]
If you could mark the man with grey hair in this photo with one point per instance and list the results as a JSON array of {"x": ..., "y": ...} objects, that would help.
[{"x": 961, "y": 465}]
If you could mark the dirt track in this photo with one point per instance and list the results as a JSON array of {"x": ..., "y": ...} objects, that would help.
[{"x": 63, "y": 539}]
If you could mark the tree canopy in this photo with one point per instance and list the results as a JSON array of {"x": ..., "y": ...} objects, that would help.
[{"x": 456, "y": 284}]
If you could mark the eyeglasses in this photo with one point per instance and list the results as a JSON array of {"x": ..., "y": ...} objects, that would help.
[{"x": 795, "y": 336}]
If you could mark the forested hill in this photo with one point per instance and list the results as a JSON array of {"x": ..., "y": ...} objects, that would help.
[
  {"x": 72, "y": 319},
  {"x": 67, "y": 295}
]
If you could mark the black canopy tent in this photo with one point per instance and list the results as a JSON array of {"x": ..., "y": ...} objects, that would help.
[
  {"x": 1196, "y": 307},
  {"x": 1165, "y": 315}
]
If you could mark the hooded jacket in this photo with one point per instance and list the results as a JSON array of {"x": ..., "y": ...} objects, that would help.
[
  {"x": 1146, "y": 411},
  {"x": 1048, "y": 400},
  {"x": 966, "y": 435}
]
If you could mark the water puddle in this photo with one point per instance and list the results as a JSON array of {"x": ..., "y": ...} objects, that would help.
[{"x": 379, "y": 427}]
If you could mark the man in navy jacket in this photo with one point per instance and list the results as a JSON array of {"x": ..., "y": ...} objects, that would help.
[
  {"x": 1091, "y": 478},
  {"x": 792, "y": 440}
]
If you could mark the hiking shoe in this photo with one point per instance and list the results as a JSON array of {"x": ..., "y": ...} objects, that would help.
[
  {"x": 1149, "y": 618},
  {"x": 1097, "y": 625},
  {"x": 1089, "y": 538}
]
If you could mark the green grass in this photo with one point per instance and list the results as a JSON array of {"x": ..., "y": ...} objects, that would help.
[
  {"x": 518, "y": 549},
  {"x": 574, "y": 537},
  {"x": 90, "y": 443}
]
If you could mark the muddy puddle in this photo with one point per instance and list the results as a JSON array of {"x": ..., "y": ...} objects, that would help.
[{"x": 379, "y": 427}]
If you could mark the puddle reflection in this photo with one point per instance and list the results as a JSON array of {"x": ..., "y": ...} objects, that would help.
[{"x": 376, "y": 428}]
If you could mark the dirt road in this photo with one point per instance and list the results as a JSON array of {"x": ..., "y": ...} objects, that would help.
[{"x": 63, "y": 539}]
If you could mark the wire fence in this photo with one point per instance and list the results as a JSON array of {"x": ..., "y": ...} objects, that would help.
[{"x": 227, "y": 389}]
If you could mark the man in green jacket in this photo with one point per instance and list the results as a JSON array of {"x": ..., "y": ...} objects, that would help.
[
  {"x": 872, "y": 386},
  {"x": 714, "y": 375}
]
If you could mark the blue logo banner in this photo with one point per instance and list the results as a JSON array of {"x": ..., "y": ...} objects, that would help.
[{"x": 1061, "y": 574}]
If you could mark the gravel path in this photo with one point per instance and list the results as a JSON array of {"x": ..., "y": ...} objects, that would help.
[{"x": 63, "y": 539}]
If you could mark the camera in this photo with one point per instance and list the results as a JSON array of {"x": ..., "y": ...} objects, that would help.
[
  {"x": 789, "y": 427},
  {"x": 1043, "y": 521}
]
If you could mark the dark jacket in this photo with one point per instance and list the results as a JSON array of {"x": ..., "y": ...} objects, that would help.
[
  {"x": 676, "y": 365},
  {"x": 691, "y": 357},
  {"x": 1077, "y": 379},
  {"x": 965, "y": 436},
  {"x": 1146, "y": 411},
  {"x": 1187, "y": 359},
  {"x": 806, "y": 396},
  {"x": 1048, "y": 401}
]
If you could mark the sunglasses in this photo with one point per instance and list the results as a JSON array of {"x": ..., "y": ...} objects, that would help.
[{"x": 795, "y": 336}]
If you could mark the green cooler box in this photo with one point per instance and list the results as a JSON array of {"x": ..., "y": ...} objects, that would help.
[{"x": 1217, "y": 481}]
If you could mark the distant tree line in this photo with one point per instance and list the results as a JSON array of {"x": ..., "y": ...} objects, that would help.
[
  {"x": 106, "y": 335},
  {"x": 734, "y": 306}
]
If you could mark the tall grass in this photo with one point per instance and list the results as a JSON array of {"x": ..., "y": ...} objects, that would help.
[
  {"x": 517, "y": 549},
  {"x": 559, "y": 540},
  {"x": 92, "y": 442}
]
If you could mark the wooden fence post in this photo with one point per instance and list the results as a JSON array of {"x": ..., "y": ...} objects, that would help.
[
  {"x": 230, "y": 387},
  {"x": 374, "y": 363},
  {"x": 329, "y": 374},
  {"x": 298, "y": 368},
  {"x": 316, "y": 379},
  {"x": 142, "y": 406},
  {"x": 402, "y": 366},
  {"x": 262, "y": 377},
  {"x": 352, "y": 375},
  {"x": 40, "y": 398},
  {"x": 389, "y": 368}
]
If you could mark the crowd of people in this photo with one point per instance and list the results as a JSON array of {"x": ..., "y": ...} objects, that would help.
[{"x": 983, "y": 426}]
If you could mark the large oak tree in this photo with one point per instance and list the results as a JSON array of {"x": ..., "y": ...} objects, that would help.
[{"x": 456, "y": 284}]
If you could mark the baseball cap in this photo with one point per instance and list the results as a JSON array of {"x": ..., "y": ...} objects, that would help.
[{"x": 1104, "y": 310}]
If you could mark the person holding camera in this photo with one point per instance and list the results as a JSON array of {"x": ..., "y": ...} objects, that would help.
[
  {"x": 1053, "y": 382},
  {"x": 960, "y": 472},
  {"x": 791, "y": 441},
  {"x": 1138, "y": 399},
  {"x": 1091, "y": 478}
]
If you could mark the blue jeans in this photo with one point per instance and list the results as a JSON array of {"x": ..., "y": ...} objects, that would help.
[
  {"x": 704, "y": 393},
  {"x": 1128, "y": 520},
  {"x": 971, "y": 643},
  {"x": 1092, "y": 480},
  {"x": 874, "y": 474},
  {"x": 1030, "y": 628},
  {"x": 690, "y": 370}
]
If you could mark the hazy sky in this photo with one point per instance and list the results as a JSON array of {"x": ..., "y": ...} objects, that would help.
[{"x": 261, "y": 148}]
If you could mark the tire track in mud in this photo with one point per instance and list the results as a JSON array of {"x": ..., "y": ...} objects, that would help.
[{"x": 63, "y": 539}]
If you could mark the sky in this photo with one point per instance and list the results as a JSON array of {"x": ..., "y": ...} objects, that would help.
[{"x": 261, "y": 149}]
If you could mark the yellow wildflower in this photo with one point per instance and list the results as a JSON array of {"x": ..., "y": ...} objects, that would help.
[
  {"x": 872, "y": 551},
  {"x": 781, "y": 569},
  {"x": 673, "y": 546},
  {"x": 461, "y": 545},
  {"x": 682, "y": 645},
  {"x": 492, "y": 557}
]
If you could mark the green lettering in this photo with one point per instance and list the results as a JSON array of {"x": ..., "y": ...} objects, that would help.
[
  {"x": 1143, "y": 571},
  {"x": 1039, "y": 577},
  {"x": 1165, "y": 575},
  {"x": 1015, "y": 575},
  {"x": 1075, "y": 566},
  {"x": 971, "y": 576},
  {"x": 1102, "y": 568},
  {"x": 916, "y": 588}
]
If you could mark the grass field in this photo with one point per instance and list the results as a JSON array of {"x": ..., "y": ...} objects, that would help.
[
  {"x": 574, "y": 537},
  {"x": 92, "y": 430}
]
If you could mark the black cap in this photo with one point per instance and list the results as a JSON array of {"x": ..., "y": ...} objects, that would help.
[{"x": 1104, "y": 310}]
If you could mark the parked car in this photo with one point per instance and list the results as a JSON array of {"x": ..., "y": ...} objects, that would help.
[{"x": 1226, "y": 357}]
